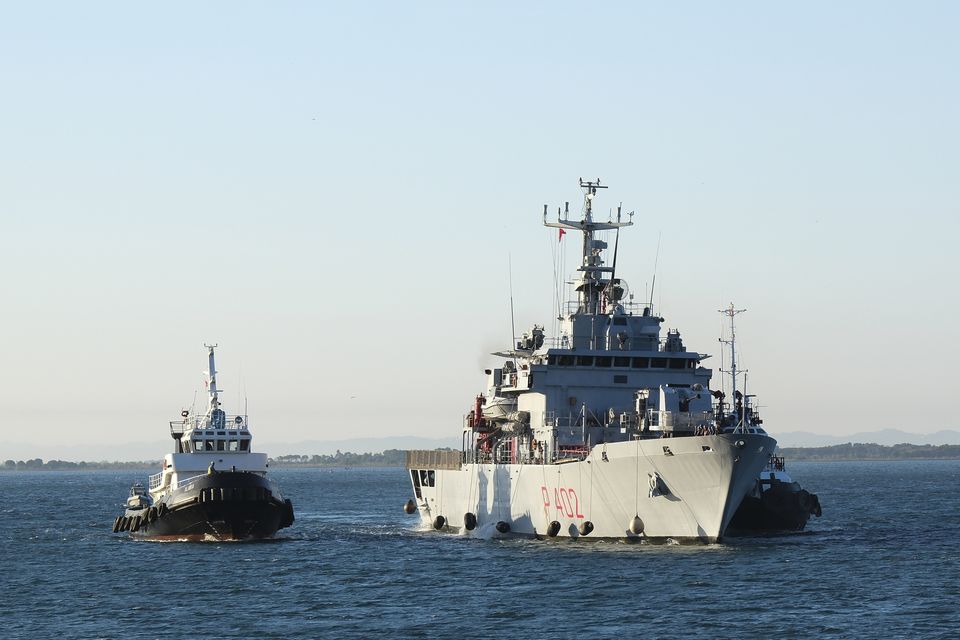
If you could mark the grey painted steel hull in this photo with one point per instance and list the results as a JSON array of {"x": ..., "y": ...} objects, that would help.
[{"x": 700, "y": 482}]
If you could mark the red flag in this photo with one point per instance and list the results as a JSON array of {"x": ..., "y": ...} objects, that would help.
[{"x": 561, "y": 235}]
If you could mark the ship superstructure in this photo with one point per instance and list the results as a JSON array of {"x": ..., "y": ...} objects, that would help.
[
  {"x": 212, "y": 486},
  {"x": 608, "y": 430}
]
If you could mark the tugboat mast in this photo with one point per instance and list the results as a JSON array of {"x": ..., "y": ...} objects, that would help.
[{"x": 213, "y": 402}]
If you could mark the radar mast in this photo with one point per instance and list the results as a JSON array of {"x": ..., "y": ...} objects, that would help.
[{"x": 591, "y": 284}]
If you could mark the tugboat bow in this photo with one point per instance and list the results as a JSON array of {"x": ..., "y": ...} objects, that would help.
[{"x": 212, "y": 486}]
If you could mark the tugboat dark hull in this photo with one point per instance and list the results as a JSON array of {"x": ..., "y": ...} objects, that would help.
[
  {"x": 217, "y": 506},
  {"x": 780, "y": 508}
]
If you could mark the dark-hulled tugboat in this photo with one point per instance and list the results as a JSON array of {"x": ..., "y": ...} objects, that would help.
[
  {"x": 212, "y": 487},
  {"x": 776, "y": 503}
]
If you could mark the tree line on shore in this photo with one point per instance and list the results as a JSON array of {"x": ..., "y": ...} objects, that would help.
[
  {"x": 870, "y": 451},
  {"x": 388, "y": 458},
  {"x": 397, "y": 457}
]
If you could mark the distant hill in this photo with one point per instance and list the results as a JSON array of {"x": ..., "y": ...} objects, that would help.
[
  {"x": 888, "y": 437},
  {"x": 101, "y": 451},
  {"x": 155, "y": 450}
]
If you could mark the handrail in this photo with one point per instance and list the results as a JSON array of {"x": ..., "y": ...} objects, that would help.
[{"x": 230, "y": 423}]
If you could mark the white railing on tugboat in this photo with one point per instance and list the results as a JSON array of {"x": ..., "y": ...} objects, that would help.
[{"x": 219, "y": 422}]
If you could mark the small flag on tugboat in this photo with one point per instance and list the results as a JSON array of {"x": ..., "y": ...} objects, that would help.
[{"x": 560, "y": 237}]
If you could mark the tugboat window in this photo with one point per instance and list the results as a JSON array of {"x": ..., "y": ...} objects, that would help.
[
  {"x": 677, "y": 364},
  {"x": 565, "y": 361},
  {"x": 641, "y": 363},
  {"x": 603, "y": 361},
  {"x": 585, "y": 361},
  {"x": 220, "y": 445},
  {"x": 621, "y": 362},
  {"x": 658, "y": 363},
  {"x": 233, "y": 445},
  {"x": 198, "y": 445},
  {"x": 244, "y": 445},
  {"x": 208, "y": 445}
]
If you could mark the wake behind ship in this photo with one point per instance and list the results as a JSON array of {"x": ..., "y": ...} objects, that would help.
[
  {"x": 212, "y": 487},
  {"x": 607, "y": 431}
]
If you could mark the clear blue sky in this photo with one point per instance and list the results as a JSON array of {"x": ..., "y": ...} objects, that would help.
[{"x": 331, "y": 192}]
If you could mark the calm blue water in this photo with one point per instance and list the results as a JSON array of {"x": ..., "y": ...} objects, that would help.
[{"x": 882, "y": 561}]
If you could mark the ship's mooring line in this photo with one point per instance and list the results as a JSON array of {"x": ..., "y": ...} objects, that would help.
[
  {"x": 636, "y": 495},
  {"x": 515, "y": 489},
  {"x": 590, "y": 509},
  {"x": 546, "y": 514}
]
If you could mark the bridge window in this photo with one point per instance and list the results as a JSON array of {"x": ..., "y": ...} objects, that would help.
[
  {"x": 565, "y": 361},
  {"x": 208, "y": 445},
  {"x": 220, "y": 445},
  {"x": 621, "y": 362},
  {"x": 676, "y": 363},
  {"x": 641, "y": 363},
  {"x": 603, "y": 361},
  {"x": 233, "y": 445},
  {"x": 584, "y": 361},
  {"x": 244, "y": 445},
  {"x": 658, "y": 363}
]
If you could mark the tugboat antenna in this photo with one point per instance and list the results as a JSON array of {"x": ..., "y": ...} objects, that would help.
[{"x": 214, "y": 401}]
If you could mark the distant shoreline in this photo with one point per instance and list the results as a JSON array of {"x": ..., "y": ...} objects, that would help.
[{"x": 848, "y": 452}]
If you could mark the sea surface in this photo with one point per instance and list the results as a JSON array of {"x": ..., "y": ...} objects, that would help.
[{"x": 881, "y": 562}]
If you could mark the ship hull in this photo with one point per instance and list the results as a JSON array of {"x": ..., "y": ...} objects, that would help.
[
  {"x": 219, "y": 506},
  {"x": 682, "y": 489}
]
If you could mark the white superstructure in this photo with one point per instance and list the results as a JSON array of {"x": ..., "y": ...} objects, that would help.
[
  {"x": 209, "y": 441},
  {"x": 609, "y": 430}
]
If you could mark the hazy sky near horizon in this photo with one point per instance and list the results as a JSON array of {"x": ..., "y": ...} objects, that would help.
[{"x": 332, "y": 192}]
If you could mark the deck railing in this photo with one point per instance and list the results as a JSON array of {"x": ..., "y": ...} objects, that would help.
[
  {"x": 220, "y": 422},
  {"x": 433, "y": 459}
]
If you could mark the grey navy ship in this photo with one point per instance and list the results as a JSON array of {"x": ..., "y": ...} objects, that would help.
[
  {"x": 608, "y": 431},
  {"x": 212, "y": 487}
]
